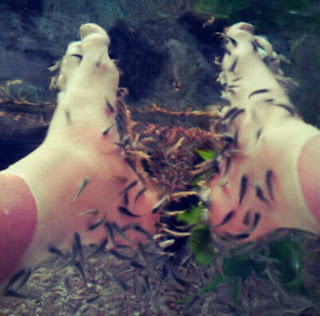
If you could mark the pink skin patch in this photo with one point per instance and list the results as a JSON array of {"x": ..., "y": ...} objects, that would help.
[
  {"x": 309, "y": 175},
  {"x": 18, "y": 217}
]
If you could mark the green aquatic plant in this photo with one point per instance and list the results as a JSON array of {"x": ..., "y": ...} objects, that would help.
[{"x": 279, "y": 259}]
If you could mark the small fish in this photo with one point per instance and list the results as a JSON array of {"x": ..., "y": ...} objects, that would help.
[
  {"x": 157, "y": 237},
  {"x": 269, "y": 100},
  {"x": 82, "y": 186},
  {"x": 172, "y": 213},
  {"x": 159, "y": 204},
  {"x": 209, "y": 165},
  {"x": 258, "y": 92},
  {"x": 181, "y": 194},
  {"x": 92, "y": 211},
  {"x": 231, "y": 91},
  {"x": 67, "y": 283},
  {"x": 142, "y": 252},
  {"x": 77, "y": 56},
  {"x": 78, "y": 245},
  {"x": 100, "y": 248},
  {"x": 56, "y": 251},
  {"x": 241, "y": 236},
  {"x": 68, "y": 117},
  {"x": 137, "y": 265},
  {"x": 129, "y": 187},
  {"x": 176, "y": 234},
  {"x": 228, "y": 138},
  {"x": 109, "y": 106},
  {"x": 236, "y": 114},
  {"x": 259, "y": 133},
  {"x": 163, "y": 257},
  {"x": 256, "y": 220},
  {"x": 140, "y": 194},
  {"x": 79, "y": 266},
  {"x": 228, "y": 164},
  {"x": 166, "y": 243},
  {"x": 233, "y": 86},
  {"x": 93, "y": 298},
  {"x": 229, "y": 113},
  {"x": 116, "y": 228},
  {"x": 106, "y": 131},
  {"x": 180, "y": 281},
  {"x": 243, "y": 187},
  {"x": 73, "y": 255},
  {"x": 119, "y": 255},
  {"x": 260, "y": 195},
  {"x": 254, "y": 46},
  {"x": 126, "y": 199},
  {"x": 142, "y": 231},
  {"x": 234, "y": 65},
  {"x": 15, "y": 278},
  {"x": 192, "y": 301},
  {"x": 269, "y": 182},
  {"x": 109, "y": 230},
  {"x": 287, "y": 107},
  {"x": 146, "y": 282},
  {"x": 121, "y": 145},
  {"x": 125, "y": 211},
  {"x": 246, "y": 218},
  {"x": 25, "y": 278},
  {"x": 13, "y": 293},
  {"x": 236, "y": 79},
  {"x": 120, "y": 246},
  {"x": 97, "y": 223},
  {"x": 122, "y": 284},
  {"x": 227, "y": 218},
  {"x": 232, "y": 40},
  {"x": 130, "y": 163},
  {"x": 121, "y": 124},
  {"x": 186, "y": 259}
]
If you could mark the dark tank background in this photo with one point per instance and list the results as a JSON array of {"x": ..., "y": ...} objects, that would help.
[{"x": 158, "y": 44}]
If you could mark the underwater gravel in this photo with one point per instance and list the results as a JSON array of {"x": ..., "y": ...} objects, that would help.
[{"x": 114, "y": 287}]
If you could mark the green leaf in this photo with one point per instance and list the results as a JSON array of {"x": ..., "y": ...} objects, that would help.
[
  {"x": 192, "y": 216},
  {"x": 238, "y": 266},
  {"x": 206, "y": 154},
  {"x": 289, "y": 264},
  {"x": 290, "y": 259},
  {"x": 200, "y": 244}
]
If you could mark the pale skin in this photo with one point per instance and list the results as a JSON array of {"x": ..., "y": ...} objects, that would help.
[
  {"x": 76, "y": 156},
  {"x": 276, "y": 151}
]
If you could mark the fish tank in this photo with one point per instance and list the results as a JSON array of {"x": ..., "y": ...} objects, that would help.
[{"x": 159, "y": 157}]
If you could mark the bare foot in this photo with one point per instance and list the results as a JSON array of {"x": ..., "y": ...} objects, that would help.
[
  {"x": 270, "y": 174},
  {"x": 77, "y": 180}
]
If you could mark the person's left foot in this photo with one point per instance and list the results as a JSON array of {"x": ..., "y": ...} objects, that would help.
[{"x": 78, "y": 179}]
